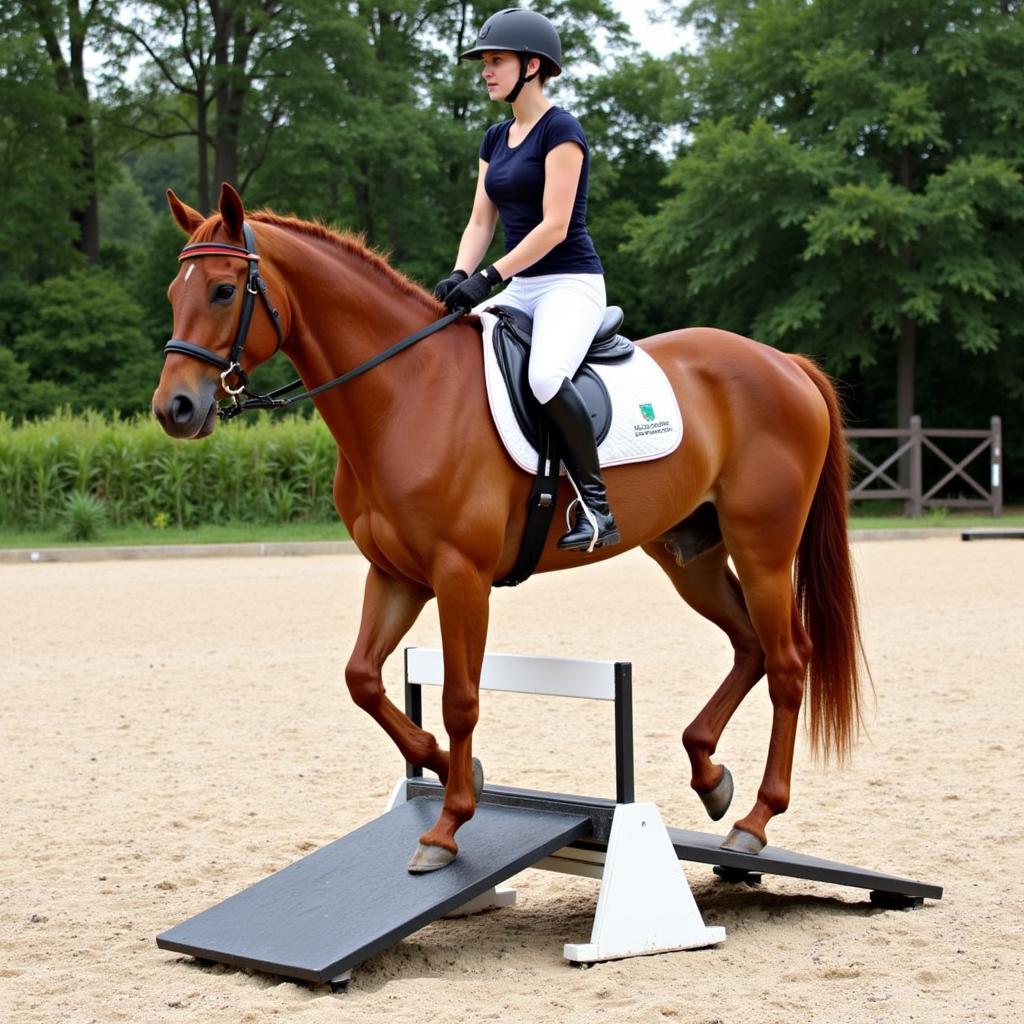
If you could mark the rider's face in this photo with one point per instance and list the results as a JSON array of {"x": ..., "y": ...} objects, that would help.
[{"x": 500, "y": 73}]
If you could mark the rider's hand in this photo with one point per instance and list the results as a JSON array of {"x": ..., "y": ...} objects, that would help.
[
  {"x": 473, "y": 290},
  {"x": 442, "y": 288}
]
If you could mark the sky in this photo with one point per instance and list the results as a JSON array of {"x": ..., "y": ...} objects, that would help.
[{"x": 658, "y": 38}]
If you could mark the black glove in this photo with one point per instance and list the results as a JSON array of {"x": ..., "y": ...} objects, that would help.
[
  {"x": 473, "y": 290},
  {"x": 442, "y": 288}
]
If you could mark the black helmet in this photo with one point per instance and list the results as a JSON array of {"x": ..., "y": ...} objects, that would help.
[{"x": 518, "y": 31}]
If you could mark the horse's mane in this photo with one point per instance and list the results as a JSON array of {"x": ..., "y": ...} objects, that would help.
[{"x": 355, "y": 245}]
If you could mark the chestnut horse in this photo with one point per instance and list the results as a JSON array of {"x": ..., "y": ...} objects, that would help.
[{"x": 433, "y": 501}]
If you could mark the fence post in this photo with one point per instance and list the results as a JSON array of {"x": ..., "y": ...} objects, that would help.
[
  {"x": 997, "y": 466},
  {"x": 916, "y": 486}
]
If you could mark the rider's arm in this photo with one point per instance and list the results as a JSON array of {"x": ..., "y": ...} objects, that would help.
[
  {"x": 562, "y": 168},
  {"x": 480, "y": 229}
]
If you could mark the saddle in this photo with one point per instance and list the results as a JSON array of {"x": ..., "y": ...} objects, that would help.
[{"x": 512, "y": 338}]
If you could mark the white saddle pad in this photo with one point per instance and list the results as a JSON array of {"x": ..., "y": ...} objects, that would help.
[{"x": 646, "y": 421}]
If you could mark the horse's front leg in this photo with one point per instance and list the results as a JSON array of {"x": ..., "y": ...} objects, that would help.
[
  {"x": 390, "y": 607},
  {"x": 463, "y": 592}
]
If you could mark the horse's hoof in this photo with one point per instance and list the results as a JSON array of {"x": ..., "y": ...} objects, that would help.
[
  {"x": 716, "y": 801},
  {"x": 478, "y": 779},
  {"x": 429, "y": 858},
  {"x": 742, "y": 842}
]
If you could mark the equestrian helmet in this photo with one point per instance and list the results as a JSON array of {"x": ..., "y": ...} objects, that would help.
[{"x": 518, "y": 31}]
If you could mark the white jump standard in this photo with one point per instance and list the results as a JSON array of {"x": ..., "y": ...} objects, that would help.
[{"x": 320, "y": 917}]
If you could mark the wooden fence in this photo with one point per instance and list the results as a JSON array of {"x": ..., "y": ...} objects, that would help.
[{"x": 880, "y": 479}]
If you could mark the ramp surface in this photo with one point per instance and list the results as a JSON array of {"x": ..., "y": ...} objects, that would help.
[
  {"x": 704, "y": 848},
  {"x": 324, "y": 914}
]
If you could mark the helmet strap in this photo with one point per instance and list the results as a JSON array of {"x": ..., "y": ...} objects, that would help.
[{"x": 524, "y": 61}]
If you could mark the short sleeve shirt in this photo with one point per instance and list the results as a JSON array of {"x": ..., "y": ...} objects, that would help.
[{"x": 515, "y": 184}]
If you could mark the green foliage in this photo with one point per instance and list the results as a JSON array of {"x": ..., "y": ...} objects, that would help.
[
  {"x": 84, "y": 516},
  {"x": 79, "y": 338},
  {"x": 127, "y": 218},
  {"x": 268, "y": 471},
  {"x": 852, "y": 186},
  {"x": 837, "y": 185},
  {"x": 832, "y": 176},
  {"x": 36, "y": 156}
]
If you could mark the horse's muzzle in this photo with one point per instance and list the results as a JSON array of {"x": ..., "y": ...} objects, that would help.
[{"x": 185, "y": 413}]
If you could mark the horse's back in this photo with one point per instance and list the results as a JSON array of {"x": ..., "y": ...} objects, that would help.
[{"x": 735, "y": 381}]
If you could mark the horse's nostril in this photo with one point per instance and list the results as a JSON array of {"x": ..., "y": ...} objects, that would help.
[{"x": 182, "y": 409}]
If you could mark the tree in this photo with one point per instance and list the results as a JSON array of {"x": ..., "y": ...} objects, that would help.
[
  {"x": 37, "y": 156},
  {"x": 79, "y": 340},
  {"x": 210, "y": 56},
  {"x": 853, "y": 183},
  {"x": 628, "y": 122},
  {"x": 63, "y": 31}
]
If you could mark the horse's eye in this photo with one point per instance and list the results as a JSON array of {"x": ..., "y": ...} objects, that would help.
[{"x": 224, "y": 293}]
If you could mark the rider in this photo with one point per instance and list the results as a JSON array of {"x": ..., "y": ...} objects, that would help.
[{"x": 533, "y": 172}]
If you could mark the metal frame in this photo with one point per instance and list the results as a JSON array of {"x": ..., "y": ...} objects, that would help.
[
  {"x": 586, "y": 856},
  {"x": 514, "y": 673}
]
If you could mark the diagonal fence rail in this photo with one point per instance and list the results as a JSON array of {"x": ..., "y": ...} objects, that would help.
[{"x": 881, "y": 479}]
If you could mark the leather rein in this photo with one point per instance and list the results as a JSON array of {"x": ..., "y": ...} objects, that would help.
[{"x": 231, "y": 367}]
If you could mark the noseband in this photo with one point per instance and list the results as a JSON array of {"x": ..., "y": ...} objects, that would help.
[
  {"x": 232, "y": 366},
  {"x": 254, "y": 286}
]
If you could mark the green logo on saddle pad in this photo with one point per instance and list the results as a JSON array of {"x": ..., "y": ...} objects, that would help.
[{"x": 648, "y": 410}]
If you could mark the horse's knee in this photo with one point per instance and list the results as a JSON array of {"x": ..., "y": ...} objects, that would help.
[
  {"x": 460, "y": 713},
  {"x": 365, "y": 686}
]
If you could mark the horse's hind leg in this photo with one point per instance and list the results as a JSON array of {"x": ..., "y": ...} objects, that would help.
[
  {"x": 390, "y": 607},
  {"x": 708, "y": 586}
]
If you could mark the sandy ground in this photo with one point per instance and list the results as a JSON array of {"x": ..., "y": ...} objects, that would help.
[{"x": 174, "y": 731}]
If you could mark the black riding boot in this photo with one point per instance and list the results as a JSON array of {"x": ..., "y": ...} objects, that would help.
[{"x": 594, "y": 526}]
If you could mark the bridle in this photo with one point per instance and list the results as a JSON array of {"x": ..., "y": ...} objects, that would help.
[
  {"x": 232, "y": 365},
  {"x": 254, "y": 286}
]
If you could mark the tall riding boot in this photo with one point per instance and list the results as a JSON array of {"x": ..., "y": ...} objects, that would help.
[{"x": 594, "y": 526}]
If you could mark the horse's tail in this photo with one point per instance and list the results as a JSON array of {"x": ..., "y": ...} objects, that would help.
[{"x": 826, "y": 596}]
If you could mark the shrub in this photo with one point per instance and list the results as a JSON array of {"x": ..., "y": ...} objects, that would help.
[
  {"x": 84, "y": 516},
  {"x": 263, "y": 470}
]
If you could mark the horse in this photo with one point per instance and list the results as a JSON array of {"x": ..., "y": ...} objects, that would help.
[{"x": 437, "y": 507}]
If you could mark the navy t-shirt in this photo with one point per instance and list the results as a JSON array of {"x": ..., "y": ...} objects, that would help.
[{"x": 515, "y": 184}]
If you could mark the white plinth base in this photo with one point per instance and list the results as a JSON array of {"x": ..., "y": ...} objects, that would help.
[
  {"x": 645, "y": 905},
  {"x": 493, "y": 899}
]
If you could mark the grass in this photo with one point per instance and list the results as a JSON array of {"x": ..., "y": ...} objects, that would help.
[
  {"x": 140, "y": 534},
  {"x": 292, "y": 533},
  {"x": 933, "y": 520}
]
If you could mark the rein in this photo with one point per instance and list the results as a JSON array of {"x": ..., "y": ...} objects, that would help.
[{"x": 232, "y": 365}]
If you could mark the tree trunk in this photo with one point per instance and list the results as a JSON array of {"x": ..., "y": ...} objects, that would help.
[
  {"x": 203, "y": 145},
  {"x": 232, "y": 46},
  {"x": 88, "y": 215},
  {"x": 73, "y": 87},
  {"x": 906, "y": 353}
]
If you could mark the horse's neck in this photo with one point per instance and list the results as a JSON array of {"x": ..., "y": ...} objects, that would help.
[{"x": 344, "y": 312}]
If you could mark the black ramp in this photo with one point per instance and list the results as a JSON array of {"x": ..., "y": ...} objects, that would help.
[
  {"x": 704, "y": 848},
  {"x": 347, "y": 901}
]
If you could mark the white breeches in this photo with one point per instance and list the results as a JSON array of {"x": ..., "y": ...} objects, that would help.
[{"x": 567, "y": 310}]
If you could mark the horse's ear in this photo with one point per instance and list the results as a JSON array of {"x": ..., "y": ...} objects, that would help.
[
  {"x": 187, "y": 218},
  {"x": 232, "y": 210}
]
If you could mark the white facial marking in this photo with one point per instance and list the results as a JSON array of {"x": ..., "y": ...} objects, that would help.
[{"x": 188, "y": 273}]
